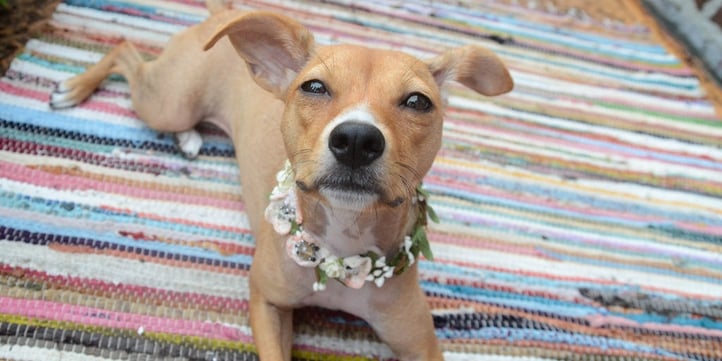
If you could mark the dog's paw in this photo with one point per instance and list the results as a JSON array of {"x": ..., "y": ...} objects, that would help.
[
  {"x": 64, "y": 96},
  {"x": 189, "y": 142}
]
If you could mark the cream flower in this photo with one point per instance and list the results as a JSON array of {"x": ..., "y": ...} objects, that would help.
[{"x": 333, "y": 267}]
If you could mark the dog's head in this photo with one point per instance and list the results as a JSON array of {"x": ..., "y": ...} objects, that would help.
[{"x": 361, "y": 126}]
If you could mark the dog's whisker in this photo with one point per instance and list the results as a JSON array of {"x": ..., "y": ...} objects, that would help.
[{"x": 410, "y": 169}]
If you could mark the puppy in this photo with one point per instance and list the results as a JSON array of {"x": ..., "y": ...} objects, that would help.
[{"x": 340, "y": 136}]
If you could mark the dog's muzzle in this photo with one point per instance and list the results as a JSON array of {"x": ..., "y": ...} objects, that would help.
[{"x": 355, "y": 147}]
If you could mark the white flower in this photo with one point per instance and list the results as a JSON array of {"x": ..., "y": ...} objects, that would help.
[
  {"x": 318, "y": 287},
  {"x": 408, "y": 243},
  {"x": 285, "y": 182},
  {"x": 357, "y": 268},
  {"x": 381, "y": 271},
  {"x": 285, "y": 177},
  {"x": 333, "y": 267},
  {"x": 380, "y": 282}
]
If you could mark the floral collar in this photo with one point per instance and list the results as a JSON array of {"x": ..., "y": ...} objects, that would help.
[{"x": 354, "y": 271}]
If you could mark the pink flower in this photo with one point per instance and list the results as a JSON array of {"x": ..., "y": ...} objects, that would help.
[{"x": 303, "y": 249}]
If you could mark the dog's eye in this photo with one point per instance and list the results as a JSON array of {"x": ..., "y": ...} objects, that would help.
[
  {"x": 314, "y": 86},
  {"x": 418, "y": 102}
]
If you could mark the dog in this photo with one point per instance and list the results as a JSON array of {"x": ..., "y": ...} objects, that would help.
[{"x": 340, "y": 136}]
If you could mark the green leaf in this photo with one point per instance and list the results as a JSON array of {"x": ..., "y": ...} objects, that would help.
[
  {"x": 422, "y": 242},
  {"x": 295, "y": 227},
  {"x": 432, "y": 214},
  {"x": 420, "y": 190},
  {"x": 321, "y": 276}
]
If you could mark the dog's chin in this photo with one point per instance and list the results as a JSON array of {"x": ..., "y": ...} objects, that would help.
[{"x": 348, "y": 199}]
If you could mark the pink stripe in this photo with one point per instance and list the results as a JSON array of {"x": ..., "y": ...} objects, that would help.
[
  {"x": 90, "y": 104},
  {"x": 45, "y": 310},
  {"x": 67, "y": 182},
  {"x": 23, "y": 92}
]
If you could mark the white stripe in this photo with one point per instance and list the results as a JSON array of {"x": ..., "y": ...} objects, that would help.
[
  {"x": 552, "y": 85},
  {"x": 612, "y": 190},
  {"x": 597, "y": 158},
  {"x": 62, "y": 51},
  {"x": 656, "y": 194},
  {"x": 111, "y": 18},
  {"x": 671, "y": 144},
  {"x": 123, "y": 271},
  {"x": 167, "y": 209},
  {"x": 620, "y": 114},
  {"x": 516, "y": 262},
  {"x": 542, "y": 227},
  {"x": 227, "y": 170},
  {"x": 61, "y": 20},
  {"x": 59, "y": 222},
  {"x": 685, "y": 86},
  {"x": 29, "y": 67},
  {"x": 173, "y": 9}
]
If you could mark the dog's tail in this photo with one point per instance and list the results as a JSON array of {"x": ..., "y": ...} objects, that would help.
[{"x": 216, "y": 6}]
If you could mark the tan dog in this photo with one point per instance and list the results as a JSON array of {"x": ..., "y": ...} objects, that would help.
[{"x": 360, "y": 126}]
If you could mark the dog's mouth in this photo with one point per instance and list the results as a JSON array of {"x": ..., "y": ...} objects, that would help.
[
  {"x": 361, "y": 181},
  {"x": 352, "y": 187}
]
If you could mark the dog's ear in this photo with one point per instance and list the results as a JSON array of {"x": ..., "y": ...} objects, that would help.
[
  {"x": 274, "y": 46},
  {"x": 473, "y": 66}
]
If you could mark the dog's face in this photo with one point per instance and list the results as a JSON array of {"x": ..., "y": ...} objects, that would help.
[{"x": 362, "y": 125}]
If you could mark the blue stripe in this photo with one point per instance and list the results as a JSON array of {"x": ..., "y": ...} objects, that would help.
[
  {"x": 166, "y": 16},
  {"x": 562, "y": 308},
  {"x": 112, "y": 238},
  {"x": 75, "y": 212}
]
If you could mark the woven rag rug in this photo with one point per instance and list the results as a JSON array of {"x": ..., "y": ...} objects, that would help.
[{"x": 581, "y": 214}]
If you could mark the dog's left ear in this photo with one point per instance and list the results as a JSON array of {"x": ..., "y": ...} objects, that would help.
[
  {"x": 473, "y": 66},
  {"x": 274, "y": 46}
]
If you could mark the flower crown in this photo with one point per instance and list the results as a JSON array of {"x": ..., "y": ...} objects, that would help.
[{"x": 283, "y": 213}]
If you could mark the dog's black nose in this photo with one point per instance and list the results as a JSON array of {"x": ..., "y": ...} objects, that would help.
[{"x": 356, "y": 144}]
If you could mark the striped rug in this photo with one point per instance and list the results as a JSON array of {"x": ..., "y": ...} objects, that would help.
[{"x": 581, "y": 214}]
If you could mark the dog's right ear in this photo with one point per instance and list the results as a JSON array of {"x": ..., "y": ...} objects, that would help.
[{"x": 274, "y": 46}]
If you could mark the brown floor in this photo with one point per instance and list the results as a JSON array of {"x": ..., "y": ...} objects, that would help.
[{"x": 20, "y": 20}]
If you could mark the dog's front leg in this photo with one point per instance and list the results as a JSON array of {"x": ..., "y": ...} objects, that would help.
[
  {"x": 403, "y": 320},
  {"x": 272, "y": 328}
]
